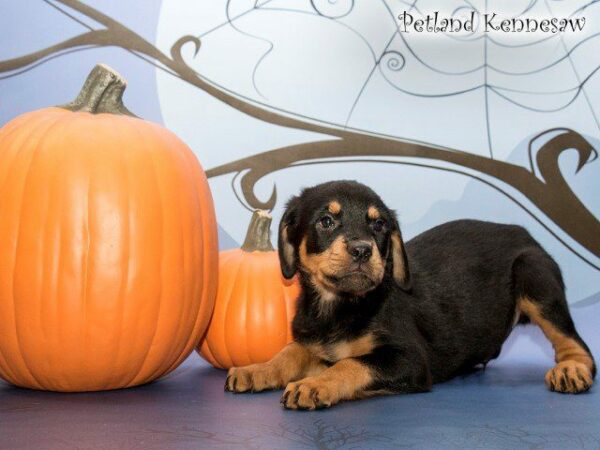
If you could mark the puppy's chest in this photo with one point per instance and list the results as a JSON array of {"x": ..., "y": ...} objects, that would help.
[{"x": 344, "y": 348}]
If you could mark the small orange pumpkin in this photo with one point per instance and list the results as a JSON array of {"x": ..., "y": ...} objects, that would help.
[
  {"x": 108, "y": 245},
  {"x": 255, "y": 304}
]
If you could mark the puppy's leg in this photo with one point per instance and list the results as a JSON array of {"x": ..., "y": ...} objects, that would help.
[
  {"x": 541, "y": 298},
  {"x": 291, "y": 363},
  {"x": 384, "y": 371}
]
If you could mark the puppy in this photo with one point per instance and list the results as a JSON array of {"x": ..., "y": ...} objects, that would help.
[{"x": 376, "y": 316}]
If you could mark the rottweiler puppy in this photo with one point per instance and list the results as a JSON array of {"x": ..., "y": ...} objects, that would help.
[{"x": 376, "y": 316}]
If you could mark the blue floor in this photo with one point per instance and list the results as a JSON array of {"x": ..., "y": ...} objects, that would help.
[{"x": 505, "y": 406}]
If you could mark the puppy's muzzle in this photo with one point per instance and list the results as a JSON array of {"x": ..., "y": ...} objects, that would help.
[{"x": 360, "y": 251}]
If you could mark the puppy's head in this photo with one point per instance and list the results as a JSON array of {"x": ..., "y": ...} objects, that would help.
[{"x": 343, "y": 239}]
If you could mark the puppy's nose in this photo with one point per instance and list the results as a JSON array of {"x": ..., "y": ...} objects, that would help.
[{"x": 360, "y": 251}]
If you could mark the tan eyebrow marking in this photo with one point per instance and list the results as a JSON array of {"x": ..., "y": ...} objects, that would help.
[
  {"x": 373, "y": 213},
  {"x": 334, "y": 207}
]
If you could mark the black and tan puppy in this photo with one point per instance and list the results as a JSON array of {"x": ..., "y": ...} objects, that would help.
[{"x": 379, "y": 317}]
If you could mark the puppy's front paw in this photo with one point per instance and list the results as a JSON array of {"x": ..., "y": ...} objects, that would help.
[
  {"x": 309, "y": 393},
  {"x": 253, "y": 378},
  {"x": 570, "y": 377}
]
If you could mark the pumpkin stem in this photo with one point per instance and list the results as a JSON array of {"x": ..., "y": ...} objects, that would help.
[
  {"x": 102, "y": 92},
  {"x": 257, "y": 237}
]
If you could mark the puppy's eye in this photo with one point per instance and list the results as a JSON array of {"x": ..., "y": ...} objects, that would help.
[
  {"x": 326, "y": 222},
  {"x": 378, "y": 225}
]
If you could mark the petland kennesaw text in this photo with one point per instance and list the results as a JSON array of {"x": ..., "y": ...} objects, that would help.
[{"x": 433, "y": 23}]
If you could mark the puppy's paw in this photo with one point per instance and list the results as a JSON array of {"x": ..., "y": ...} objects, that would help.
[
  {"x": 309, "y": 393},
  {"x": 569, "y": 377},
  {"x": 253, "y": 378}
]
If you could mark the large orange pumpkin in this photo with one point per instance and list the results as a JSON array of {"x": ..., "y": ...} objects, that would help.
[
  {"x": 255, "y": 304},
  {"x": 108, "y": 245}
]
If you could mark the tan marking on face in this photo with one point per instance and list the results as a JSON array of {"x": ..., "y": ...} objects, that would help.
[
  {"x": 573, "y": 371},
  {"x": 397, "y": 259},
  {"x": 328, "y": 263},
  {"x": 334, "y": 207},
  {"x": 293, "y": 362},
  {"x": 373, "y": 213},
  {"x": 333, "y": 262},
  {"x": 345, "y": 380},
  {"x": 377, "y": 265},
  {"x": 288, "y": 248},
  {"x": 344, "y": 349}
]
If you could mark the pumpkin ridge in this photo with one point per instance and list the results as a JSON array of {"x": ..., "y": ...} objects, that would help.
[
  {"x": 172, "y": 356},
  {"x": 85, "y": 285},
  {"x": 35, "y": 153},
  {"x": 200, "y": 288},
  {"x": 237, "y": 303},
  {"x": 6, "y": 368},
  {"x": 15, "y": 129},
  {"x": 53, "y": 299},
  {"x": 133, "y": 380},
  {"x": 86, "y": 264},
  {"x": 279, "y": 309},
  {"x": 189, "y": 258},
  {"x": 227, "y": 307},
  {"x": 127, "y": 249},
  {"x": 46, "y": 291},
  {"x": 38, "y": 153},
  {"x": 124, "y": 256},
  {"x": 261, "y": 301},
  {"x": 175, "y": 354},
  {"x": 15, "y": 125},
  {"x": 246, "y": 301},
  {"x": 25, "y": 138},
  {"x": 104, "y": 379},
  {"x": 170, "y": 359},
  {"x": 227, "y": 258}
]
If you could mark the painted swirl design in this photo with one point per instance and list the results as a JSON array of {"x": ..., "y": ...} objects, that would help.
[{"x": 333, "y": 9}]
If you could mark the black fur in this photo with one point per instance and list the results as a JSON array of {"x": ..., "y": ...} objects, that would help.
[{"x": 454, "y": 309}]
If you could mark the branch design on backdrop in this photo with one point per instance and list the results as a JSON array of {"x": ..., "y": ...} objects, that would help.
[{"x": 546, "y": 189}]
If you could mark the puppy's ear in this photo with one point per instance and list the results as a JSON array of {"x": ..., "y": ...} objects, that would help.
[
  {"x": 400, "y": 268},
  {"x": 288, "y": 255}
]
